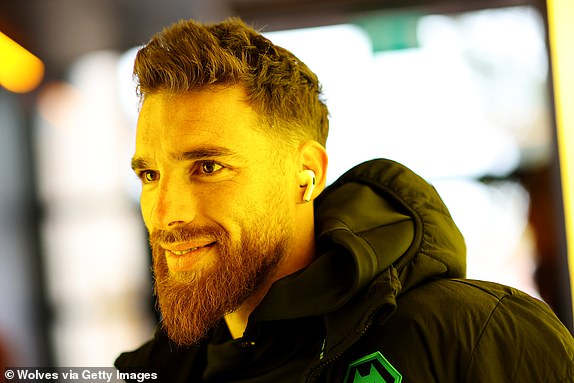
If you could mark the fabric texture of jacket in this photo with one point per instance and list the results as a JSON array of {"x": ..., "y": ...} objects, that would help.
[{"x": 384, "y": 301}]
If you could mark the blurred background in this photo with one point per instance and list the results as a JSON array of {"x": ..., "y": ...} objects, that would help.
[{"x": 463, "y": 92}]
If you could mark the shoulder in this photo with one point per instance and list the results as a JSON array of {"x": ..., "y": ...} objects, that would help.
[
  {"x": 472, "y": 303},
  {"x": 464, "y": 330},
  {"x": 520, "y": 337}
]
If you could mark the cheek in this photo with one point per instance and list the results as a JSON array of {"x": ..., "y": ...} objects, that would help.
[
  {"x": 241, "y": 207},
  {"x": 146, "y": 209},
  {"x": 271, "y": 199}
]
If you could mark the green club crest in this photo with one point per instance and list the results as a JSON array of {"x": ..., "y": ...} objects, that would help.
[{"x": 373, "y": 368}]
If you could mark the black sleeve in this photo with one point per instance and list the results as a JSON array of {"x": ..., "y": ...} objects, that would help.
[{"x": 522, "y": 341}]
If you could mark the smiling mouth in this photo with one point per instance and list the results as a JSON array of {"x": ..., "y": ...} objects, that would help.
[
  {"x": 187, "y": 251},
  {"x": 180, "y": 259}
]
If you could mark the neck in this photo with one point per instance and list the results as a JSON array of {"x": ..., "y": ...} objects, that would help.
[{"x": 237, "y": 320}]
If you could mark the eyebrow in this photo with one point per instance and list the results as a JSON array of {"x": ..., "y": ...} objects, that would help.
[{"x": 191, "y": 155}]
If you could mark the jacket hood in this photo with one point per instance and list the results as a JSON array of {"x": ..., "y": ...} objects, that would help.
[{"x": 379, "y": 216}]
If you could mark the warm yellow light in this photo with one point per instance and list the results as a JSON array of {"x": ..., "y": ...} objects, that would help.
[
  {"x": 561, "y": 29},
  {"x": 20, "y": 70}
]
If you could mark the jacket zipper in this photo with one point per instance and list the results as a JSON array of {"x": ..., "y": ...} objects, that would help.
[{"x": 316, "y": 371}]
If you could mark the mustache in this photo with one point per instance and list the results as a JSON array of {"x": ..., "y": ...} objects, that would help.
[{"x": 186, "y": 233}]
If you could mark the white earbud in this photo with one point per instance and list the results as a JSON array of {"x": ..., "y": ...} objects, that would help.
[{"x": 307, "y": 180}]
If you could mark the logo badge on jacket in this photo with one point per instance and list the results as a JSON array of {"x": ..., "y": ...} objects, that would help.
[{"x": 373, "y": 368}]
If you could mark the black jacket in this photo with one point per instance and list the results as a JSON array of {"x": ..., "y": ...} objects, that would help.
[{"x": 385, "y": 301}]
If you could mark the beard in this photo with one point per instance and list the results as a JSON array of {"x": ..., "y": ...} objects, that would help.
[{"x": 193, "y": 302}]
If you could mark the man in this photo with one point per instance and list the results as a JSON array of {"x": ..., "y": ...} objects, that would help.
[{"x": 263, "y": 276}]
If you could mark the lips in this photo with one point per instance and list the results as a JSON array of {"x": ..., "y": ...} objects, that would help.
[
  {"x": 182, "y": 249},
  {"x": 188, "y": 256},
  {"x": 183, "y": 252}
]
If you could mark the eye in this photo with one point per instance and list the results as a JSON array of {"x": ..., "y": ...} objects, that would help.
[
  {"x": 148, "y": 176},
  {"x": 210, "y": 167}
]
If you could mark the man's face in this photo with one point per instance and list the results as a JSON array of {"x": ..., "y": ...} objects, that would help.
[{"x": 218, "y": 201}]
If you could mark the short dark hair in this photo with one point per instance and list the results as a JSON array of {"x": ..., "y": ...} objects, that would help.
[{"x": 191, "y": 56}]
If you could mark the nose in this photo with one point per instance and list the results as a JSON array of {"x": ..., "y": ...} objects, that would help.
[{"x": 174, "y": 204}]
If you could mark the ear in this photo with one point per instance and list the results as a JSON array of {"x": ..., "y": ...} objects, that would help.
[{"x": 313, "y": 156}]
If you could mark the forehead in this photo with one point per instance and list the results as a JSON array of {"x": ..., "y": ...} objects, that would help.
[{"x": 221, "y": 114}]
